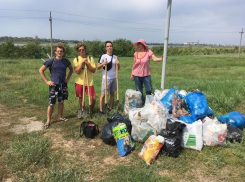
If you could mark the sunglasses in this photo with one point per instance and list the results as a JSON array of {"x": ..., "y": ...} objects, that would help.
[{"x": 80, "y": 50}]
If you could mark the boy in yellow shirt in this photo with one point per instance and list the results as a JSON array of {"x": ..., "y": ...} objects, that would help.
[{"x": 81, "y": 63}]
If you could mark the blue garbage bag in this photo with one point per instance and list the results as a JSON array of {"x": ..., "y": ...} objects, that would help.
[
  {"x": 167, "y": 100},
  {"x": 187, "y": 119},
  {"x": 234, "y": 118},
  {"x": 198, "y": 105}
]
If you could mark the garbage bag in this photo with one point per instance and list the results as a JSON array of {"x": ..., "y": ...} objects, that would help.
[
  {"x": 155, "y": 114},
  {"x": 178, "y": 106},
  {"x": 214, "y": 133},
  {"x": 234, "y": 118},
  {"x": 198, "y": 105},
  {"x": 135, "y": 115},
  {"x": 234, "y": 134},
  {"x": 159, "y": 94},
  {"x": 149, "y": 99},
  {"x": 167, "y": 100},
  {"x": 132, "y": 100},
  {"x": 107, "y": 133},
  {"x": 173, "y": 137},
  {"x": 187, "y": 119},
  {"x": 141, "y": 131},
  {"x": 192, "y": 136}
]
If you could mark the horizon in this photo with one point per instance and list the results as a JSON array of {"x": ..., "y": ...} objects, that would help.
[{"x": 150, "y": 43}]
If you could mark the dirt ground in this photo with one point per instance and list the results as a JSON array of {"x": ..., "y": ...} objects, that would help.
[
  {"x": 7, "y": 120},
  {"x": 11, "y": 122},
  {"x": 25, "y": 124}
]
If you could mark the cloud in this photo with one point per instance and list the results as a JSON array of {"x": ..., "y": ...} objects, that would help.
[{"x": 191, "y": 20}]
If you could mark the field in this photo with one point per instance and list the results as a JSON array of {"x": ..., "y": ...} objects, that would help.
[{"x": 59, "y": 154}]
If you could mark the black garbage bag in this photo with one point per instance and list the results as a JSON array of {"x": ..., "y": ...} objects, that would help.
[
  {"x": 172, "y": 138},
  {"x": 106, "y": 132},
  {"x": 122, "y": 119},
  {"x": 234, "y": 134}
]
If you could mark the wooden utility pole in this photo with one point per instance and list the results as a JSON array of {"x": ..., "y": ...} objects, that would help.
[
  {"x": 240, "y": 43},
  {"x": 50, "y": 19}
]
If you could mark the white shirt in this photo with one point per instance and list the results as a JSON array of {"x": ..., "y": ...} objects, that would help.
[{"x": 112, "y": 72}]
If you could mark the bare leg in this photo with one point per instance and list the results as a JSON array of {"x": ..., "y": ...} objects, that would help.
[
  {"x": 81, "y": 103},
  {"x": 111, "y": 99},
  {"x": 49, "y": 113},
  {"x": 92, "y": 100},
  {"x": 60, "y": 110},
  {"x": 102, "y": 96}
]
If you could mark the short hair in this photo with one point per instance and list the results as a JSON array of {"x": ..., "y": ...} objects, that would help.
[
  {"x": 61, "y": 46},
  {"x": 80, "y": 45},
  {"x": 108, "y": 42}
]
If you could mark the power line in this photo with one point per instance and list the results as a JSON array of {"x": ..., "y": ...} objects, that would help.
[
  {"x": 131, "y": 28},
  {"x": 110, "y": 26},
  {"x": 23, "y": 10},
  {"x": 15, "y": 17},
  {"x": 114, "y": 20},
  {"x": 113, "y": 26},
  {"x": 108, "y": 19}
]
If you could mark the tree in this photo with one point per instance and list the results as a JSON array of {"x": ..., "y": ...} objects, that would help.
[
  {"x": 7, "y": 49},
  {"x": 123, "y": 47},
  {"x": 30, "y": 49}
]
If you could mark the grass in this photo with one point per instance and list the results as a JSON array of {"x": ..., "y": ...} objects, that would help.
[{"x": 59, "y": 154}]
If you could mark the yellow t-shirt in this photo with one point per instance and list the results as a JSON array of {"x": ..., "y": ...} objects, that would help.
[{"x": 80, "y": 77}]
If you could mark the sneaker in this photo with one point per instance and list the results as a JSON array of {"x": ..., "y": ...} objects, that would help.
[{"x": 101, "y": 113}]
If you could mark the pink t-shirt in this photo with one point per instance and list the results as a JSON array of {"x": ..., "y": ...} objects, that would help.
[{"x": 141, "y": 67}]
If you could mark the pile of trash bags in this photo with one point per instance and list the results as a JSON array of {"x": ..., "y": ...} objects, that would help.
[{"x": 170, "y": 120}]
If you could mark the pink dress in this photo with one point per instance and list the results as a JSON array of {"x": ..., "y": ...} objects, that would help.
[{"x": 141, "y": 68}]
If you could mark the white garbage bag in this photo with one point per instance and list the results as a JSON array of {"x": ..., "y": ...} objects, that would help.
[{"x": 192, "y": 136}]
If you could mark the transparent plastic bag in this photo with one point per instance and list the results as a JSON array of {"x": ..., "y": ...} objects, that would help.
[
  {"x": 214, "y": 133},
  {"x": 155, "y": 114},
  {"x": 141, "y": 131},
  {"x": 132, "y": 100},
  {"x": 178, "y": 106},
  {"x": 159, "y": 94},
  {"x": 135, "y": 115}
]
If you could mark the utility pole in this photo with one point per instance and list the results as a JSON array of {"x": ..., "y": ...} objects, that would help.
[
  {"x": 240, "y": 43},
  {"x": 165, "y": 49},
  {"x": 50, "y": 19}
]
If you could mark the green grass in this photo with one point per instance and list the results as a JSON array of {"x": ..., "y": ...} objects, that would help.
[{"x": 59, "y": 154}]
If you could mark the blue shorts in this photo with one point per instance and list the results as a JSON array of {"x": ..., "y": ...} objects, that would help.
[{"x": 59, "y": 91}]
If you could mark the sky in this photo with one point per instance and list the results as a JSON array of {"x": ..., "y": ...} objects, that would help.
[{"x": 206, "y": 21}]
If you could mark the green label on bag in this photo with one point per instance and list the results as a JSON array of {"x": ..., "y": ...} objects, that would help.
[{"x": 191, "y": 140}]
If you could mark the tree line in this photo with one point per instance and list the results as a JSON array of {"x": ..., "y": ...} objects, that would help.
[{"x": 121, "y": 48}]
